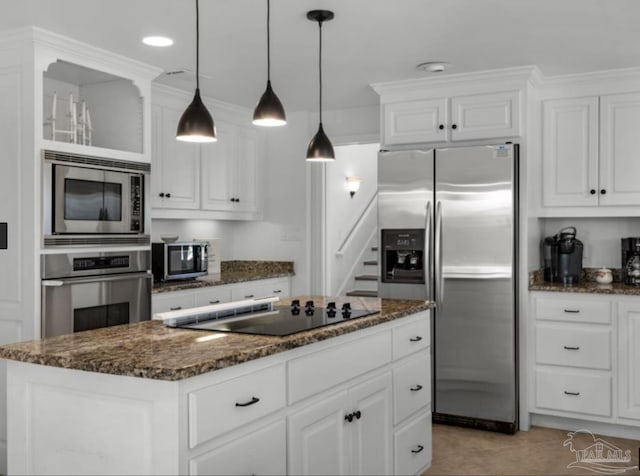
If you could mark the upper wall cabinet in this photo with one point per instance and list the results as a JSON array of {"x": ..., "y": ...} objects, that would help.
[
  {"x": 203, "y": 181},
  {"x": 590, "y": 148},
  {"x": 475, "y": 116}
]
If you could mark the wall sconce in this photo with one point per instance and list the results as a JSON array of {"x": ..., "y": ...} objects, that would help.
[{"x": 353, "y": 185}]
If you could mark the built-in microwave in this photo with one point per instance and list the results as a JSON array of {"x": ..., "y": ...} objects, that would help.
[
  {"x": 94, "y": 199},
  {"x": 171, "y": 261}
]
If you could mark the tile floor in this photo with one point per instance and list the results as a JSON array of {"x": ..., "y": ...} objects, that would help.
[{"x": 537, "y": 451}]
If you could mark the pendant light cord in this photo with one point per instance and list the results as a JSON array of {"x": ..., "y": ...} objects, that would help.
[
  {"x": 320, "y": 69},
  {"x": 197, "y": 47},
  {"x": 268, "y": 40}
]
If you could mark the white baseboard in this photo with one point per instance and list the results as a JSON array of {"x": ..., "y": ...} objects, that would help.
[{"x": 597, "y": 428}]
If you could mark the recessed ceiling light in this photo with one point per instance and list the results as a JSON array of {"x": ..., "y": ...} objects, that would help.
[
  {"x": 157, "y": 41},
  {"x": 433, "y": 66}
]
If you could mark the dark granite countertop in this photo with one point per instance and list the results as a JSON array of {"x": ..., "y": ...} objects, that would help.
[
  {"x": 231, "y": 272},
  {"x": 587, "y": 284},
  {"x": 151, "y": 350}
]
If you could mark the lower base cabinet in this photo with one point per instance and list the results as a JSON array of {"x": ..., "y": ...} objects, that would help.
[
  {"x": 412, "y": 445},
  {"x": 345, "y": 433}
]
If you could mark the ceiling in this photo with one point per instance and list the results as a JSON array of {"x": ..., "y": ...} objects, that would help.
[{"x": 369, "y": 41}]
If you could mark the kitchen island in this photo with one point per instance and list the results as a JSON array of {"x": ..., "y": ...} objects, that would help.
[{"x": 146, "y": 399}]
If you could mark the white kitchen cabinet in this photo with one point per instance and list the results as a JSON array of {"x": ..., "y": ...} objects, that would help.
[
  {"x": 629, "y": 359},
  {"x": 345, "y": 433},
  {"x": 175, "y": 174},
  {"x": 456, "y": 118},
  {"x": 216, "y": 180},
  {"x": 589, "y": 147}
]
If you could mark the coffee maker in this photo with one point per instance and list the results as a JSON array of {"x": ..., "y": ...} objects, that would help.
[
  {"x": 563, "y": 257},
  {"x": 630, "y": 260}
]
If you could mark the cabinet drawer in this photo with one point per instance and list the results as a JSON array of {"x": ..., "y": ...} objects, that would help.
[
  {"x": 574, "y": 345},
  {"x": 246, "y": 291},
  {"x": 278, "y": 288},
  {"x": 412, "y": 337},
  {"x": 412, "y": 446},
  {"x": 582, "y": 309},
  {"x": 266, "y": 447},
  {"x": 171, "y": 301},
  {"x": 219, "y": 408},
  {"x": 321, "y": 370},
  {"x": 411, "y": 386},
  {"x": 215, "y": 295},
  {"x": 559, "y": 389}
]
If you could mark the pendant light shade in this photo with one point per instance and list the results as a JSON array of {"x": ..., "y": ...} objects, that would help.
[
  {"x": 320, "y": 148},
  {"x": 196, "y": 124},
  {"x": 269, "y": 111}
]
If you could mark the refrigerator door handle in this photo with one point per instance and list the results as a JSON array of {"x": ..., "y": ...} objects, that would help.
[
  {"x": 438, "y": 257},
  {"x": 428, "y": 260}
]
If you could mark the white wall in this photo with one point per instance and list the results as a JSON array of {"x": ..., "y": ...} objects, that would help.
[
  {"x": 600, "y": 236},
  {"x": 188, "y": 230}
]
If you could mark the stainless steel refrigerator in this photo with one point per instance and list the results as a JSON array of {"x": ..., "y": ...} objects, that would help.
[{"x": 447, "y": 223}]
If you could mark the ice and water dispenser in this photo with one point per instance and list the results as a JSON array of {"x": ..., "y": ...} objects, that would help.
[{"x": 403, "y": 256}]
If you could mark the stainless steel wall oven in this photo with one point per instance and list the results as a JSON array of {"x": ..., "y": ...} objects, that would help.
[
  {"x": 84, "y": 291},
  {"x": 94, "y": 201}
]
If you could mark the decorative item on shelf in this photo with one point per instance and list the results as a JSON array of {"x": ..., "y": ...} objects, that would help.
[
  {"x": 604, "y": 276},
  {"x": 79, "y": 129},
  {"x": 320, "y": 148},
  {"x": 269, "y": 111},
  {"x": 353, "y": 185},
  {"x": 196, "y": 124},
  {"x": 169, "y": 238}
]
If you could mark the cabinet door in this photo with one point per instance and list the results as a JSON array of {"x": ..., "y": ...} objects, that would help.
[
  {"x": 260, "y": 452},
  {"x": 219, "y": 190},
  {"x": 371, "y": 426},
  {"x": 485, "y": 116},
  {"x": 629, "y": 361},
  {"x": 175, "y": 178},
  {"x": 570, "y": 152},
  {"x": 318, "y": 442},
  {"x": 414, "y": 121},
  {"x": 619, "y": 146},
  {"x": 246, "y": 171}
]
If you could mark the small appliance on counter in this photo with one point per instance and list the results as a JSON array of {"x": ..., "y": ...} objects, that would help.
[
  {"x": 213, "y": 253},
  {"x": 631, "y": 260},
  {"x": 563, "y": 257},
  {"x": 182, "y": 260}
]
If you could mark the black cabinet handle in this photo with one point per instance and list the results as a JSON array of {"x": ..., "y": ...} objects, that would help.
[
  {"x": 575, "y": 394},
  {"x": 249, "y": 296},
  {"x": 250, "y": 402},
  {"x": 454, "y": 126},
  {"x": 357, "y": 414},
  {"x": 276, "y": 291},
  {"x": 175, "y": 308},
  {"x": 217, "y": 301},
  {"x": 603, "y": 191},
  {"x": 161, "y": 194},
  {"x": 237, "y": 200},
  {"x": 567, "y": 347},
  {"x": 415, "y": 339},
  {"x": 416, "y": 388},
  {"x": 349, "y": 417},
  {"x": 418, "y": 449},
  {"x": 592, "y": 191},
  {"x": 441, "y": 126},
  {"x": 168, "y": 195},
  {"x": 572, "y": 311}
]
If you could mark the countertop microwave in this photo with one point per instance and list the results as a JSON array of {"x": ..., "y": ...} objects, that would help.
[
  {"x": 94, "y": 197},
  {"x": 184, "y": 260}
]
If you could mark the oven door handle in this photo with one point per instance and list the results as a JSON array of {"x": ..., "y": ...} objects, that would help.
[{"x": 96, "y": 279}]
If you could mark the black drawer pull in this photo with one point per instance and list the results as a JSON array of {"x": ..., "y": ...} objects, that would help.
[
  {"x": 418, "y": 449},
  {"x": 276, "y": 291},
  {"x": 575, "y": 394},
  {"x": 567, "y": 347},
  {"x": 250, "y": 402},
  {"x": 249, "y": 296},
  {"x": 415, "y": 339},
  {"x": 217, "y": 301},
  {"x": 416, "y": 388},
  {"x": 572, "y": 311},
  {"x": 175, "y": 308}
]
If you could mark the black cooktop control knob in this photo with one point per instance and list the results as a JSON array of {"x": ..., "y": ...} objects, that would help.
[
  {"x": 295, "y": 307},
  {"x": 346, "y": 310},
  {"x": 308, "y": 308},
  {"x": 331, "y": 309}
]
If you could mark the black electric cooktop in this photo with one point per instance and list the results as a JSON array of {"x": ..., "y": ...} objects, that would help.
[{"x": 283, "y": 321}]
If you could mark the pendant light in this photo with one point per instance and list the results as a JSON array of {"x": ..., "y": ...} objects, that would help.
[
  {"x": 196, "y": 124},
  {"x": 269, "y": 111},
  {"x": 320, "y": 148}
]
